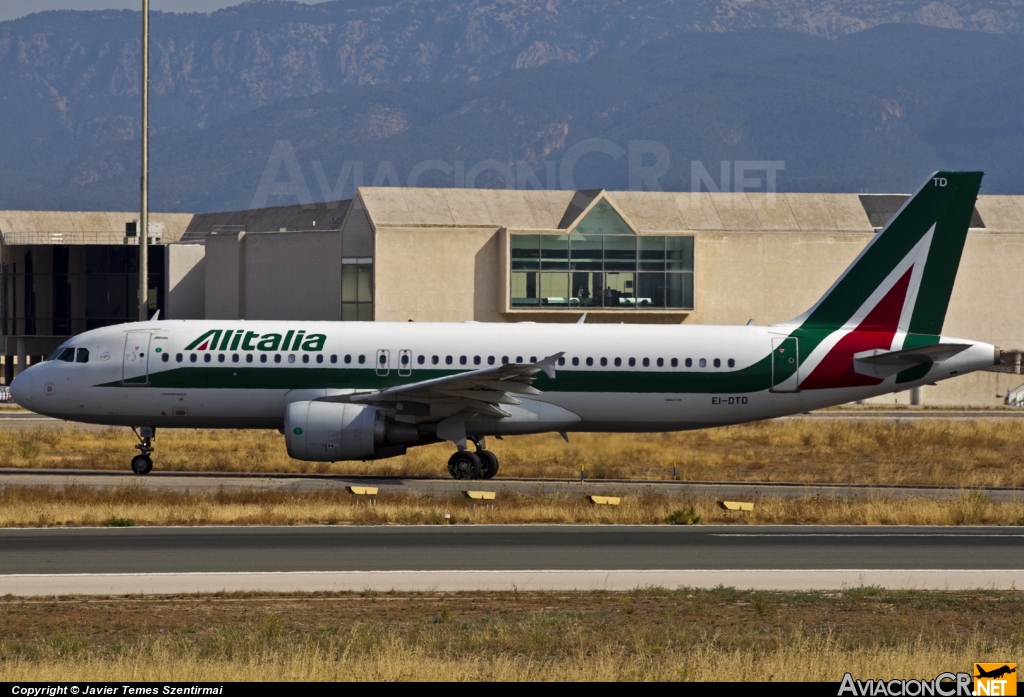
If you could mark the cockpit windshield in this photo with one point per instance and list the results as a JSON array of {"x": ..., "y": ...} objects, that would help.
[
  {"x": 53, "y": 356},
  {"x": 67, "y": 355}
]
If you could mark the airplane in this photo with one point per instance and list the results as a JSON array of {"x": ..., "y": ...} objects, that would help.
[{"x": 371, "y": 390}]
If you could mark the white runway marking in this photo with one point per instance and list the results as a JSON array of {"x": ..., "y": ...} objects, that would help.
[
  {"x": 25, "y": 585},
  {"x": 853, "y": 534}
]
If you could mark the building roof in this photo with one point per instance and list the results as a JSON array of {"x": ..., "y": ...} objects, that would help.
[
  {"x": 312, "y": 216},
  {"x": 658, "y": 212},
  {"x": 81, "y": 227}
]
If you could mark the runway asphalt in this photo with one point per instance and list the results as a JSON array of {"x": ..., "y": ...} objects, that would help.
[
  {"x": 438, "y": 486},
  {"x": 99, "y": 560}
]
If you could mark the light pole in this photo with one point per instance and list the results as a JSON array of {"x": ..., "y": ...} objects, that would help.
[{"x": 143, "y": 232}]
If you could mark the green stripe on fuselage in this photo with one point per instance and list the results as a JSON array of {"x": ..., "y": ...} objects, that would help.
[{"x": 753, "y": 378}]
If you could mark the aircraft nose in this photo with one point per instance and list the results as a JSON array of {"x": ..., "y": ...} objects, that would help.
[{"x": 21, "y": 389}]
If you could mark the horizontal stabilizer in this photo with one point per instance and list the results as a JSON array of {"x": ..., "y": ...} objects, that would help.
[{"x": 881, "y": 364}]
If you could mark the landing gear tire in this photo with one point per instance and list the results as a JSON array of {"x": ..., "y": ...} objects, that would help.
[
  {"x": 488, "y": 463},
  {"x": 464, "y": 465},
  {"x": 141, "y": 464}
]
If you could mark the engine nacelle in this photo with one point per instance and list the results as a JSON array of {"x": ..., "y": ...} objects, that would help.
[{"x": 332, "y": 431}]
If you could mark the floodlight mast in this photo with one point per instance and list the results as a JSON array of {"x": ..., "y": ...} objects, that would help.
[{"x": 143, "y": 231}]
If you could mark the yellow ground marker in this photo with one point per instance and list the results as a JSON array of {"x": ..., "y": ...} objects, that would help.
[
  {"x": 363, "y": 490},
  {"x": 606, "y": 500},
  {"x": 736, "y": 505},
  {"x": 485, "y": 495}
]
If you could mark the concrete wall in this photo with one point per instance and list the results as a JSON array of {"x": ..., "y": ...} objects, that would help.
[
  {"x": 293, "y": 275},
  {"x": 185, "y": 276},
  {"x": 437, "y": 275},
  {"x": 225, "y": 280}
]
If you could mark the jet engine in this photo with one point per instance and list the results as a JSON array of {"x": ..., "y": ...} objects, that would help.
[{"x": 332, "y": 431}]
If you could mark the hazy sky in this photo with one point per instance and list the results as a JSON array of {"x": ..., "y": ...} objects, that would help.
[{"x": 12, "y": 9}]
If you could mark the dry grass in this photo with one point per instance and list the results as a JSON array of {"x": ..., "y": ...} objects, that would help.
[
  {"x": 134, "y": 505},
  {"x": 976, "y": 452},
  {"x": 651, "y": 634}
]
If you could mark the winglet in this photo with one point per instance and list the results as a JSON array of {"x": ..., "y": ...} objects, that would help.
[
  {"x": 155, "y": 317},
  {"x": 548, "y": 364},
  {"x": 582, "y": 319}
]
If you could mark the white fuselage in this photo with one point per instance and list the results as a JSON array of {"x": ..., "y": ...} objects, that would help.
[{"x": 615, "y": 377}]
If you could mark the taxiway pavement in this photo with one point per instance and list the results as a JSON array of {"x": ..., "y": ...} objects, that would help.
[{"x": 448, "y": 558}]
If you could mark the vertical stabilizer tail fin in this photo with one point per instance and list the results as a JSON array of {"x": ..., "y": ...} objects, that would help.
[{"x": 909, "y": 267}]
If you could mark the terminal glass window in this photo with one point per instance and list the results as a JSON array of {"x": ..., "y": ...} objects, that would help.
[
  {"x": 57, "y": 290},
  {"x": 357, "y": 290},
  {"x": 601, "y": 264}
]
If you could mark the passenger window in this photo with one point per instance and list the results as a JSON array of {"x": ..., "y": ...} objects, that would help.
[
  {"x": 632, "y": 362},
  {"x": 476, "y": 360},
  {"x": 533, "y": 359},
  {"x": 234, "y": 358},
  {"x": 248, "y": 358},
  {"x": 448, "y": 360},
  {"x": 435, "y": 359},
  {"x": 647, "y": 362},
  {"x": 519, "y": 359},
  {"x": 504, "y": 360},
  {"x": 490, "y": 360},
  {"x": 67, "y": 355},
  {"x": 604, "y": 361},
  {"x": 661, "y": 362},
  {"x": 703, "y": 363},
  {"x": 405, "y": 359},
  {"x": 277, "y": 358},
  {"x": 320, "y": 358},
  {"x": 220, "y": 357},
  {"x": 689, "y": 362},
  {"x": 618, "y": 362},
  {"x": 207, "y": 358},
  {"x": 732, "y": 363},
  {"x": 362, "y": 359},
  {"x": 575, "y": 360},
  {"x": 348, "y": 358},
  {"x": 462, "y": 360},
  {"x": 675, "y": 362},
  {"x": 179, "y": 358},
  {"x": 305, "y": 358},
  {"x": 561, "y": 361},
  {"x": 167, "y": 357},
  {"x": 718, "y": 363},
  {"x": 421, "y": 359},
  {"x": 291, "y": 357},
  {"x": 263, "y": 358},
  {"x": 590, "y": 361},
  {"x": 334, "y": 358},
  {"x": 193, "y": 358}
]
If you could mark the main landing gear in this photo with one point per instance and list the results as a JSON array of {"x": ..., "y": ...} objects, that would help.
[
  {"x": 483, "y": 464},
  {"x": 143, "y": 463}
]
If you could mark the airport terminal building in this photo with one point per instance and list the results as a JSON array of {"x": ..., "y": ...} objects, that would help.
[{"x": 487, "y": 255}]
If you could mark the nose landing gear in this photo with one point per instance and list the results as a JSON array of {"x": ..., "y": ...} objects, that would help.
[{"x": 143, "y": 463}]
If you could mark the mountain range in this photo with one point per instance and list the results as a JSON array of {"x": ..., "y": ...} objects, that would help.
[{"x": 838, "y": 96}]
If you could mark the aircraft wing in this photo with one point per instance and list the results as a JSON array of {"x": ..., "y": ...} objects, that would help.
[
  {"x": 881, "y": 364},
  {"x": 481, "y": 391}
]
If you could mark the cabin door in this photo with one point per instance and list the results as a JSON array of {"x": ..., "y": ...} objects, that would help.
[{"x": 135, "y": 370}]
